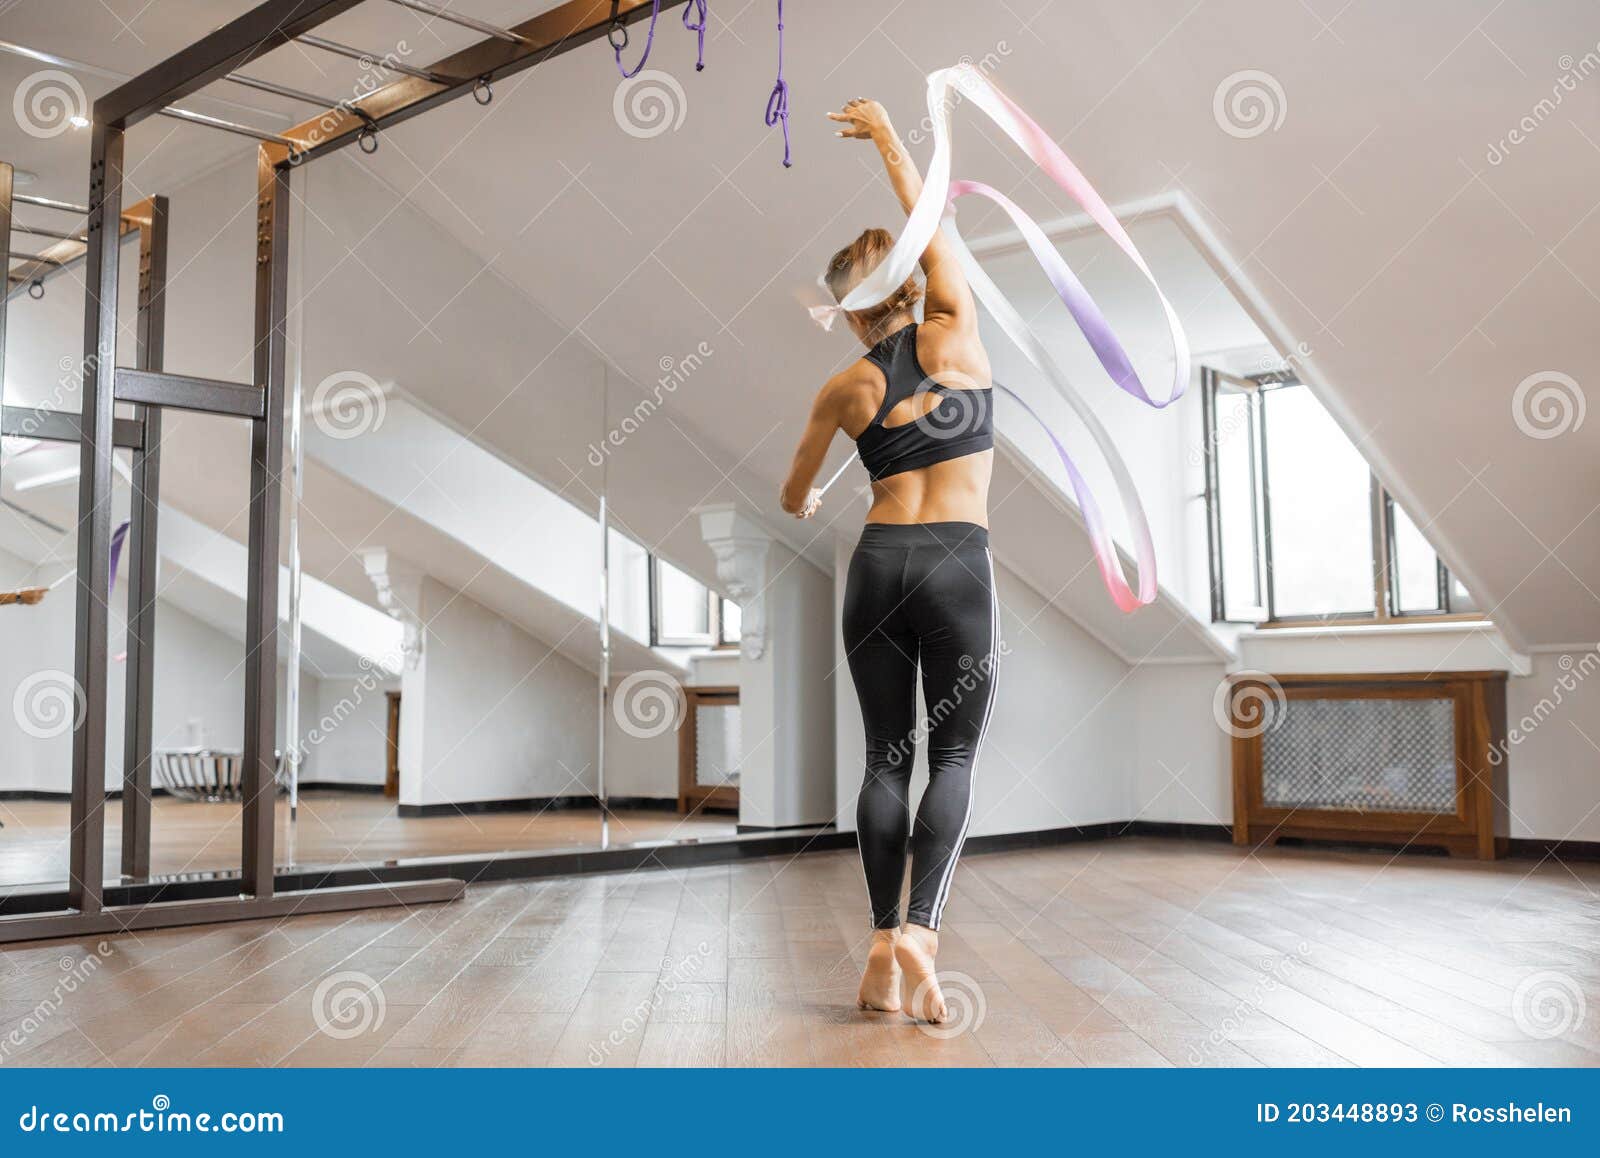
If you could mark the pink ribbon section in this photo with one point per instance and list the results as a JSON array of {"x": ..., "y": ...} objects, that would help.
[{"x": 936, "y": 204}]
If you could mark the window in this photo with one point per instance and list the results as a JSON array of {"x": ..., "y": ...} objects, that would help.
[
  {"x": 1298, "y": 526},
  {"x": 686, "y": 613}
]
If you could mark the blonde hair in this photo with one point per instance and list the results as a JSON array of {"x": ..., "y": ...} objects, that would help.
[{"x": 854, "y": 262}]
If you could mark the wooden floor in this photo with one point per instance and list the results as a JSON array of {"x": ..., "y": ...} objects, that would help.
[
  {"x": 334, "y": 828},
  {"x": 1124, "y": 952}
]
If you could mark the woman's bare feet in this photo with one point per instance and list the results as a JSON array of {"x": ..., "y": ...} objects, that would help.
[
  {"x": 880, "y": 984},
  {"x": 920, "y": 996}
]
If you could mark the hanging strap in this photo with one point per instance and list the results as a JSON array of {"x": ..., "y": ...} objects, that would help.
[
  {"x": 699, "y": 29},
  {"x": 778, "y": 102},
  {"x": 617, "y": 45}
]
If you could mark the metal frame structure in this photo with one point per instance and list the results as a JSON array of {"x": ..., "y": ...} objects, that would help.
[{"x": 149, "y": 388}]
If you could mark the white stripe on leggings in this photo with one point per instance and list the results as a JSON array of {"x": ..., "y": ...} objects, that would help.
[{"x": 972, "y": 778}]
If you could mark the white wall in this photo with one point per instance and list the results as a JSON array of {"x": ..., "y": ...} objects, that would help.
[
  {"x": 199, "y": 683},
  {"x": 490, "y": 713}
]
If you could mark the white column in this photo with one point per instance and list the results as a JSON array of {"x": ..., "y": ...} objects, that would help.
[{"x": 786, "y": 774}]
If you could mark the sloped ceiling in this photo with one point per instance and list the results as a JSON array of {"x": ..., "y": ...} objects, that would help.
[{"x": 1389, "y": 227}]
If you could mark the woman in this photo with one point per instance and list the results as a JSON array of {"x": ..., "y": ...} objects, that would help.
[{"x": 920, "y": 593}]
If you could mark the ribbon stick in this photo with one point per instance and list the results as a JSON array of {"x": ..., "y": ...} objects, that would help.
[{"x": 935, "y": 208}]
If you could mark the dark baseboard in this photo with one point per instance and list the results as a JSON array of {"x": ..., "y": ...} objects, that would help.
[
  {"x": 1181, "y": 830},
  {"x": 537, "y": 804},
  {"x": 116, "y": 793},
  {"x": 1525, "y": 847},
  {"x": 52, "y": 898}
]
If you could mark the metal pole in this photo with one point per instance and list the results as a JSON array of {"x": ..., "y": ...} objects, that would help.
[
  {"x": 471, "y": 22},
  {"x": 266, "y": 466},
  {"x": 143, "y": 556},
  {"x": 57, "y": 234},
  {"x": 366, "y": 59},
  {"x": 605, "y": 618},
  {"x": 291, "y": 706},
  {"x": 47, "y": 203},
  {"x": 87, "y": 860},
  {"x": 195, "y": 118},
  {"x": 6, "y": 175}
]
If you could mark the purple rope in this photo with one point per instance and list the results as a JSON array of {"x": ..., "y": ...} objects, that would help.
[
  {"x": 649, "y": 40},
  {"x": 778, "y": 102},
  {"x": 699, "y": 30}
]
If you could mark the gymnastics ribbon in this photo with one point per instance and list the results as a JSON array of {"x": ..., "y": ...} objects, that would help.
[{"x": 935, "y": 208}]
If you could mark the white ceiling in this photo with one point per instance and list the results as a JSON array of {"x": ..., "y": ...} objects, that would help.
[{"x": 1371, "y": 229}]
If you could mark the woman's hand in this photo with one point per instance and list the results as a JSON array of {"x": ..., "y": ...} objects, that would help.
[
  {"x": 802, "y": 509},
  {"x": 863, "y": 120}
]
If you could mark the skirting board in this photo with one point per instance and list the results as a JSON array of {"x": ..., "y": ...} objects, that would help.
[{"x": 537, "y": 804}]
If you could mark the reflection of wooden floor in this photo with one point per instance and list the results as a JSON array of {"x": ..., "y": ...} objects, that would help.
[
  {"x": 1125, "y": 952},
  {"x": 333, "y": 828}
]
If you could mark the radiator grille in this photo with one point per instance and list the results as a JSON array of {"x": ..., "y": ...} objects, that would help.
[
  {"x": 718, "y": 744},
  {"x": 1365, "y": 755}
]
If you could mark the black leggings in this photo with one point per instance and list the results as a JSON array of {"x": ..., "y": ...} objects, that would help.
[{"x": 919, "y": 594}]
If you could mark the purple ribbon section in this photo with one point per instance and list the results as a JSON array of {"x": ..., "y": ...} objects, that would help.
[
  {"x": 778, "y": 102},
  {"x": 699, "y": 29}
]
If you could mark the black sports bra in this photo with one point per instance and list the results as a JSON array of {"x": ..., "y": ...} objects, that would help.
[{"x": 961, "y": 424}]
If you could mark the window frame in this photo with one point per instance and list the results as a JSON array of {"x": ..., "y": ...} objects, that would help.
[
  {"x": 1384, "y": 560},
  {"x": 711, "y": 640}
]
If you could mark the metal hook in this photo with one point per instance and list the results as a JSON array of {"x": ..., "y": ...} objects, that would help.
[
  {"x": 36, "y": 289},
  {"x": 367, "y": 140},
  {"x": 483, "y": 91},
  {"x": 611, "y": 35}
]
